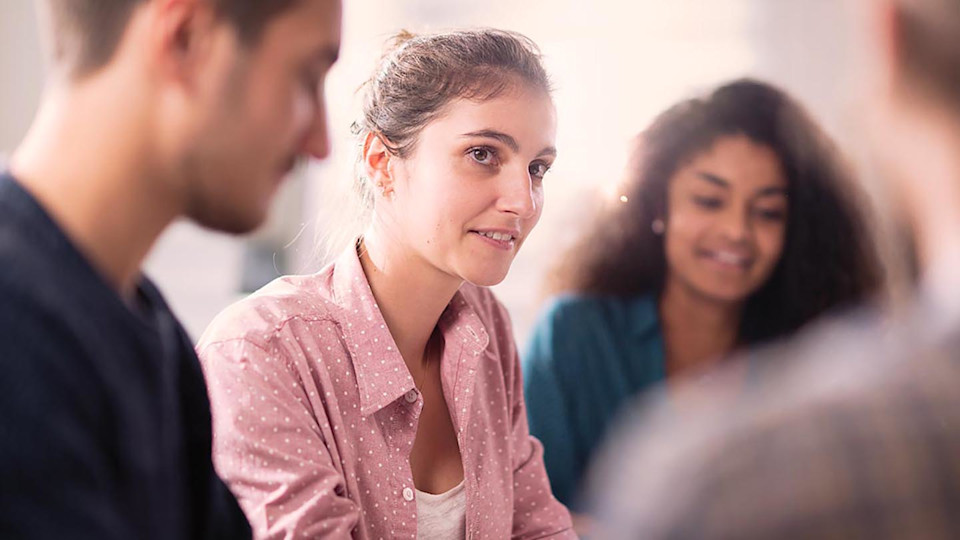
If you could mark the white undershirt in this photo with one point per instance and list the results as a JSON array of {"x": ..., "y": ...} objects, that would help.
[{"x": 442, "y": 516}]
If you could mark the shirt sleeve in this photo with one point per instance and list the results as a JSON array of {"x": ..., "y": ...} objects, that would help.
[
  {"x": 548, "y": 405},
  {"x": 269, "y": 446},
  {"x": 56, "y": 461},
  {"x": 536, "y": 512}
]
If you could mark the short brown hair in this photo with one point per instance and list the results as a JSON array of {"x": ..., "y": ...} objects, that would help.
[
  {"x": 86, "y": 33},
  {"x": 930, "y": 45}
]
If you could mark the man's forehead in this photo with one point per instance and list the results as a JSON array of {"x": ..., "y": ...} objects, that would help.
[
  {"x": 322, "y": 16},
  {"x": 313, "y": 24}
]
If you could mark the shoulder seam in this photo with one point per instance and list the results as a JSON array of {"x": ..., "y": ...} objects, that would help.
[{"x": 273, "y": 333}]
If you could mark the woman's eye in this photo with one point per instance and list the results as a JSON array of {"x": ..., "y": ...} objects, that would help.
[
  {"x": 708, "y": 202},
  {"x": 538, "y": 169},
  {"x": 482, "y": 155},
  {"x": 771, "y": 215}
]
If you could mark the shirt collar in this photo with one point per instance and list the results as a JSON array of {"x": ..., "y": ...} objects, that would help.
[
  {"x": 461, "y": 323},
  {"x": 382, "y": 375}
]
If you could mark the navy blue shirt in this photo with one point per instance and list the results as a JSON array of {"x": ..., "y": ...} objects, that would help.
[
  {"x": 105, "y": 428},
  {"x": 588, "y": 357}
]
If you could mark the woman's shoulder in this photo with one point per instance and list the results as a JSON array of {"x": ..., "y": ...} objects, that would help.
[
  {"x": 576, "y": 335},
  {"x": 261, "y": 316}
]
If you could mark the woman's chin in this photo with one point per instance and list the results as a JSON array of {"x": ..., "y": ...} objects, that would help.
[
  {"x": 485, "y": 279},
  {"x": 727, "y": 295}
]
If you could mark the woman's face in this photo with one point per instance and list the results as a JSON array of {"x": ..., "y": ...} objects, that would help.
[
  {"x": 471, "y": 191},
  {"x": 726, "y": 220}
]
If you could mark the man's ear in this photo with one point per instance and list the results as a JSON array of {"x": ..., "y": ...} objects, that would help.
[
  {"x": 182, "y": 37},
  {"x": 376, "y": 163}
]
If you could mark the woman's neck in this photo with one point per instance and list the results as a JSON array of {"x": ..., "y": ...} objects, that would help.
[
  {"x": 697, "y": 331},
  {"x": 410, "y": 293}
]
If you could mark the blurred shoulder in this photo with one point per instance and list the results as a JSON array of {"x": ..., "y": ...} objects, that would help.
[
  {"x": 582, "y": 313},
  {"x": 821, "y": 409}
]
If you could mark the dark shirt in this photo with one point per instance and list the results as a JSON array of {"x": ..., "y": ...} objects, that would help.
[
  {"x": 105, "y": 428},
  {"x": 588, "y": 357}
]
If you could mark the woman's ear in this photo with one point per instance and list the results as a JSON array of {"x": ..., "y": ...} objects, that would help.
[
  {"x": 376, "y": 163},
  {"x": 659, "y": 223}
]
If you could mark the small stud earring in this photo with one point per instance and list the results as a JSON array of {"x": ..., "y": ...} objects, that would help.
[{"x": 658, "y": 227}]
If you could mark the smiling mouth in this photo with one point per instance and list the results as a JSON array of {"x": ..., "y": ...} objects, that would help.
[
  {"x": 499, "y": 237},
  {"x": 501, "y": 240},
  {"x": 729, "y": 259}
]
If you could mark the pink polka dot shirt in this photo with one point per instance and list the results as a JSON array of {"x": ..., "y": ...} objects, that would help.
[{"x": 315, "y": 414}]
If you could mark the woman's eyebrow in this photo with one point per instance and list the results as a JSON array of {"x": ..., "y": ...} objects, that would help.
[
  {"x": 497, "y": 135},
  {"x": 713, "y": 179}
]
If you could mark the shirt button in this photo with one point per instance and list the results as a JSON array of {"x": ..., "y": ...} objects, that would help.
[
  {"x": 411, "y": 397},
  {"x": 408, "y": 494}
]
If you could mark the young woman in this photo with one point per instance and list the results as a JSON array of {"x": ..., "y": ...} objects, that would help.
[
  {"x": 382, "y": 396},
  {"x": 738, "y": 224}
]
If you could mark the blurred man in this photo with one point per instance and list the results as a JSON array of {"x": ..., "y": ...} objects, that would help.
[
  {"x": 155, "y": 109},
  {"x": 854, "y": 431}
]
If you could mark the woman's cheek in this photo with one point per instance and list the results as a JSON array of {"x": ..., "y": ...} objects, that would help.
[{"x": 772, "y": 240}]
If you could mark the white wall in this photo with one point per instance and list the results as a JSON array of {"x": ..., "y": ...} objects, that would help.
[
  {"x": 21, "y": 70},
  {"x": 615, "y": 64}
]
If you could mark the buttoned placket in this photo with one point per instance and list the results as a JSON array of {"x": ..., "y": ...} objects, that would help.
[
  {"x": 461, "y": 363},
  {"x": 464, "y": 371},
  {"x": 412, "y": 401},
  {"x": 465, "y": 339}
]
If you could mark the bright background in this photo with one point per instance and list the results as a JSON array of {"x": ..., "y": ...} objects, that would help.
[{"x": 615, "y": 65}]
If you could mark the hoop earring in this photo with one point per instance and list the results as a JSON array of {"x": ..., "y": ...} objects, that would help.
[{"x": 658, "y": 227}]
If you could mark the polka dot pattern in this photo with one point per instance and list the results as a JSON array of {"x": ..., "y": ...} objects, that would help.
[{"x": 315, "y": 413}]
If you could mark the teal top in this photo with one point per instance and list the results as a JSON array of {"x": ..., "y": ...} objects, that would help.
[{"x": 587, "y": 357}]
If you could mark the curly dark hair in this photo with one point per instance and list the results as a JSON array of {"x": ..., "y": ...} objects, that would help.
[{"x": 829, "y": 258}]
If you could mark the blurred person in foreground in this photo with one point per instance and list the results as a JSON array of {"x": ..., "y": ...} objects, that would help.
[
  {"x": 154, "y": 110},
  {"x": 739, "y": 223},
  {"x": 857, "y": 435}
]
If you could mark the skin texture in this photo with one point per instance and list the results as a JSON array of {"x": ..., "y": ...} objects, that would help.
[
  {"x": 914, "y": 134},
  {"x": 262, "y": 111},
  {"x": 182, "y": 121},
  {"x": 423, "y": 243},
  {"x": 727, "y": 217}
]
